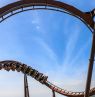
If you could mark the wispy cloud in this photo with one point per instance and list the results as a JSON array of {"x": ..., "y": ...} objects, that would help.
[
  {"x": 75, "y": 81},
  {"x": 71, "y": 44},
  {"x": 47, "y": 50},
  {"x": 81, "y": 51},
  {"x": 38, "y": 23}
]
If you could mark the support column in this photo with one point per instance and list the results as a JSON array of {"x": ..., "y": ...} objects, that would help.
[
  {"x": 26, "y": 90},
  {"x": 53, "y": 93},
  {"x": 90, "y": 69}
]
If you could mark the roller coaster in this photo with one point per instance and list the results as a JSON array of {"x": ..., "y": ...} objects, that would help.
[
  {"x": 20, "y": 67},
  {"x": 86, "y": 17}
]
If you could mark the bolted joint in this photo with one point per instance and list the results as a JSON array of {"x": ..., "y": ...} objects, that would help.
[
  {"x": 93, "y": 16},
  {"x": 91, "y": 60},
  {"x": 93, "y": 12}
]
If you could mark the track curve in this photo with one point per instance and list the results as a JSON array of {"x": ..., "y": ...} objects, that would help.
[
  {"x": 8, "y": 10},
  {"x": 20, "y": 67},
  {"x": 20, "y": 6}
]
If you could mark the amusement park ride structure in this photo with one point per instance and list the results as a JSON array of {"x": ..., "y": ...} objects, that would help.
[{"x": 25, "y": 5}]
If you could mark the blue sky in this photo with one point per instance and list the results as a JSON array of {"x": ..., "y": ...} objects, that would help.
[{"x": 54, "y": 43}]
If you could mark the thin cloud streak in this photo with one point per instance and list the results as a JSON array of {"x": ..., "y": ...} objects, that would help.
[
  {"x": 60, "y": 78},
  {"x": 71, "y": 46},
  {"x": 85, "y": 46},
  {"x": 47, "y": 50},
  {"x": 37, "y": 21}
]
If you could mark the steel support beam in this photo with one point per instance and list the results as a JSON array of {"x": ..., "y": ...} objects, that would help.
[
  {"x": 53, "y": 93},
  {"x": 26, "y": 90},
  {"x": 85, "y": 17},
  {"x": 90, "y": 69}
]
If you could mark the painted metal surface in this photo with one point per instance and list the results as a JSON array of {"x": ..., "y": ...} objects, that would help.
[
  {"x": 86, "y": 17},
  {"x": 25, "y": 69}
]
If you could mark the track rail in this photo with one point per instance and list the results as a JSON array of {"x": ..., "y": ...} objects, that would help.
[
  {"x": 25, "y": 5},
  {"x": 20, "y": 67},
  {"x": 10, "y": 9}
]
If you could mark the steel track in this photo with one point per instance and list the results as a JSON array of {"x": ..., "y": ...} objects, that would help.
[
  {"x": 25, "y": 5},
  {"x": 20, "y": 67},
  {"x": 7, "y": 11}
]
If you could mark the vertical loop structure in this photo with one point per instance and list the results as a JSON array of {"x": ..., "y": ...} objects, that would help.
[{"x": 25, "y": 5}]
